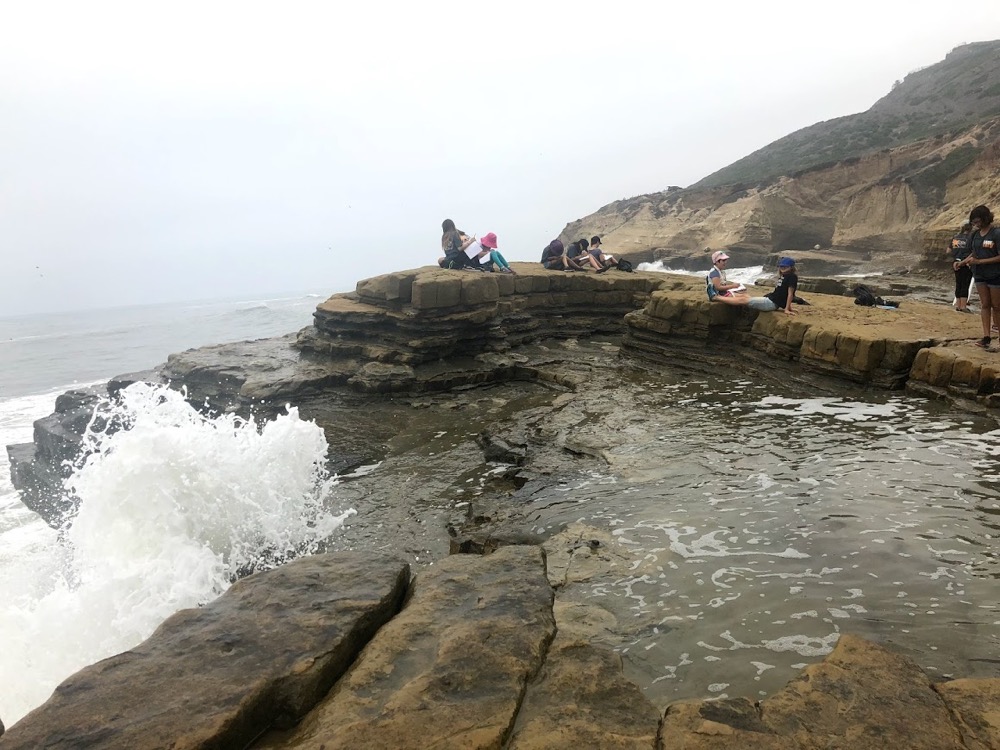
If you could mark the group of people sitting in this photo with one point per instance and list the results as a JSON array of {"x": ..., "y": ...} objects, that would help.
[
  {"x": 465, "y": 251},
  {"x": 579, "y": 256},
  {"x": 721, "y": 289}
]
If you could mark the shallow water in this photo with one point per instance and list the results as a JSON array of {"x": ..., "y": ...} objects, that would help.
[
  {"x": 764, "y": 525},
  {"x": 759, "y": 525}
]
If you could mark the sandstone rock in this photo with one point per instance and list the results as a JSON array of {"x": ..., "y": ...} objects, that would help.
[
  {"x": 867, "y": 213},
  {"x": 580, "y": 699},
  {"x": 861, "y": 696},
  {"x": 975, "y": 706},
  {"x": 832, "y": 337},
  {"x": 449, "y": 671},
  {"x": 259, "y": 656}
]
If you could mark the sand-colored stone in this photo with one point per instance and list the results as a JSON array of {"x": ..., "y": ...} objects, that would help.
[
  {"x": 861, "y": 697},
  {"x": 975, "y": 707},
  {"x": 450, "y": 670},
  {"x": 259, "y": 656},
  {"x": 581, "y": 699}
]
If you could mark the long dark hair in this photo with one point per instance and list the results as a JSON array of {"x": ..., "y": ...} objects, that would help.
[
  {"x": 447, "y": 226},
  {"x": 982, "y": 213}
]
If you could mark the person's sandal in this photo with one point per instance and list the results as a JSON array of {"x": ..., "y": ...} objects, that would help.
[{"x": 984, "y": 342}]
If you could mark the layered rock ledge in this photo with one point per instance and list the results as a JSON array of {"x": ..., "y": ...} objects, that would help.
[
  {"x": 430, "y": 330},
  {"x": 318, "y": 654}
]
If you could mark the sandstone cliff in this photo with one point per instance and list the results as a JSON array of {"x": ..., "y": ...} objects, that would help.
[{"x": 838, "y": 194}]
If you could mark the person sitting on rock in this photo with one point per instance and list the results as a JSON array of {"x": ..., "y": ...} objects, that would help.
[
  {"x": 454, "y": 243},
  {"x": 780, "y": 299},
  {"x": 493, "y": 258},
  {"x": 554, "y": 258},
  {"x": 720, "y": 288},
  {"x": 958, "y": 250},
  {"x": 984, "y": 257},
  {"x": 580, "y": 253},
  {"x": 606, "y": 261}
]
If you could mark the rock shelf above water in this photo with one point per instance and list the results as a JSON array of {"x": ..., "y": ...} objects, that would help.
[
  {"x": 433, "y": 329},
  {"x": 428, "y": 330},
  {"x": 318, "y": 654}
]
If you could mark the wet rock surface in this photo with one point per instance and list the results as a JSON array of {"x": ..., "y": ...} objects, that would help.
[
  {"x": 450, "y": 669},
  {"x": 259, "y": 656},
  {"x": 471, "y": 660}
]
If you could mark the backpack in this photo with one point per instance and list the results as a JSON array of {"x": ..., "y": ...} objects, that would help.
[
  {"x": 624, "y": 265},
  {"x": 864, "y": 296}
]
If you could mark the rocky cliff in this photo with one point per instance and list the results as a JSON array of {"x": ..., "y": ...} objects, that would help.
[{"x": 877, "y": 191}]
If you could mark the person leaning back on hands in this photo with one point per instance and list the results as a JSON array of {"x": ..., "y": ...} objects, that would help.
[{"x": 984, "y": 257}]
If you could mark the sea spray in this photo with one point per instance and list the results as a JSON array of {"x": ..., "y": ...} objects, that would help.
[{"x": 170, "y": 511}]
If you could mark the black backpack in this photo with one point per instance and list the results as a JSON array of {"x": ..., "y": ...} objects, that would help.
[
  {"x": 626, "y": 266},
  {"x": 864, "y": 296}
]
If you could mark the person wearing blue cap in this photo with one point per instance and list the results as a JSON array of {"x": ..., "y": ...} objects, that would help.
[
  {"x": 721, "y": 290},
  {"x": 783, "y": 294}
]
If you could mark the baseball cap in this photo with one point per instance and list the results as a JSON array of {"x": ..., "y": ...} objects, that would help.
[
  {"x": 719, "y": 255},
  {"x": 786, "y": 262}
]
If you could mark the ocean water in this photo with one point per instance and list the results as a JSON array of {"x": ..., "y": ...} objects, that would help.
[{"x": 170, "y": 508}]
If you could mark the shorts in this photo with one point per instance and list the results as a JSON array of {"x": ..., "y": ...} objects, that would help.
[
  {"x": 963, "y": 277},
  {"x": 991, "y": 283},
  {"x": 763, "y": 304}
]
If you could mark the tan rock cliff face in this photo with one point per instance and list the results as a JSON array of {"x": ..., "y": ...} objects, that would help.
[{"x": 888, "y": 209}]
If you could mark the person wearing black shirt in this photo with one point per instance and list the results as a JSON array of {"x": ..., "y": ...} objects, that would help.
[
  {"x": 783, "y": 295},
  {"x": 984, "y": 257},
  {"x": 958, "y": 250},
  {"x": 554, "y": 258}
]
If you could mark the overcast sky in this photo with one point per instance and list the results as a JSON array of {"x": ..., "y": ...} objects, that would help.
[{"x": 154, "y": 152}]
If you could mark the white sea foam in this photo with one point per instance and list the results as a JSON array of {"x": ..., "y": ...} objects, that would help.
[
  {"x": 170, "y": 509},
  {"x": 743, "y": 275}
]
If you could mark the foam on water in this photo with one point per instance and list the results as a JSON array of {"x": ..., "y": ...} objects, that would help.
[
  {"x": 744, "y": 275},
  {"x": 170, "y": 510}
]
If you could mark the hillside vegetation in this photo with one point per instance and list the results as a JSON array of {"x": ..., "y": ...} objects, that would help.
[{"x": 961, "y": 90}]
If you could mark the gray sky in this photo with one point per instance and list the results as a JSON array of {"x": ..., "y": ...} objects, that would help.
[{"x": 154, "y": 152}]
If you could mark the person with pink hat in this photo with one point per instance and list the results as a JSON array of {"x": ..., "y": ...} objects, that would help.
[
  {"x": 489, "y": 243},
  {"x": 719, "y": 287}
]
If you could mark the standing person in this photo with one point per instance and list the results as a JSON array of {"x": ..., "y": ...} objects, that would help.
[
  {"x": 454, "y": 244},
  {"x": 958, "y": 250},
  {"x": 984, "y": 257}
]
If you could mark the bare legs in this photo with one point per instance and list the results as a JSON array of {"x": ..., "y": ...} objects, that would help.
[{"x": 989, "y": 310}]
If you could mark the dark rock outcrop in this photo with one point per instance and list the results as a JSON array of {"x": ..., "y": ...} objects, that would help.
[{"x": 260, "y": 656}]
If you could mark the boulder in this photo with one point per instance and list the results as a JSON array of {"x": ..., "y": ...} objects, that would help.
[
  {"x": 862, "y": 697},
  {"x": 581, "y": 699},
  {"x": 259, "y": 656},
  {"x": 450, "y": 670}
]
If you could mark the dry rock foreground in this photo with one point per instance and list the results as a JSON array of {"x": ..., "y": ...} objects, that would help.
[{"x": 342, "y": 651}]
